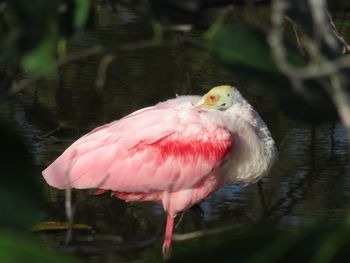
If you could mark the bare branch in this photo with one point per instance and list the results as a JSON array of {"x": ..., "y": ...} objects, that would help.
[{"x": 102, "y": 71}]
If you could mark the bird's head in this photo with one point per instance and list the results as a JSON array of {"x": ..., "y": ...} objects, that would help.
[{"x": 219, "y": 98}]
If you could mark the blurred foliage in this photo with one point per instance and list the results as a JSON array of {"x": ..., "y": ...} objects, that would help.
[
  {"x": 31, "y": 31},
  {"x": 16, "y": 248},
  {"x": 20, "y": 192},
  {"x": 81, "y": 13},
  {"x": 244, "y": 50},
  {"x": 21, "y": 203},
  {"x": 34, "y": 42},
  {"x": 243, "y": 47},
  {"x": 41, "y": 60},
  {"x": 264, "y": 244},
  {"x": 22, "y": 20}
]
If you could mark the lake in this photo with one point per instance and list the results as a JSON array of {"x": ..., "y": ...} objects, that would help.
[{"x": 309, "y": 182}]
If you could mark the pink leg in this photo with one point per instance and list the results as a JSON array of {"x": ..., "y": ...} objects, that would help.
[{"x": 168, "y": 236}]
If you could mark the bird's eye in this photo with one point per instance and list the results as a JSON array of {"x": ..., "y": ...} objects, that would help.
[
  {"x": 224, "y": 104},
  {"x": 228, "y": 95},
  {"x": 213, "y": 98}
]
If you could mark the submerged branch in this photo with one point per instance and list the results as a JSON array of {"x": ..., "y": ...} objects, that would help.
[
  {"x": 102, "y": 71},
  {"x": 69, "y": 214},
  {"x": 201, "y": 233}
]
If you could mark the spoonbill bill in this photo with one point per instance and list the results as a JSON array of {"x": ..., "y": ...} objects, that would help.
[{"x": 176, "y": 152}]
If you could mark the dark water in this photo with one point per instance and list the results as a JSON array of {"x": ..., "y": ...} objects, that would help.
[{"x": 310, "y": 181}]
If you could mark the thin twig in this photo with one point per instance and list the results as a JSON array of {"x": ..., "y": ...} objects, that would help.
[
  {"x": 275, "y": 39},
  {"x": 180, "y": 219},
  {"x": 319, "y": 68},
  {"x": 296, "y": 34},
  {"x": 346, "y": 46},
  {"x": 201, "y": 233}
]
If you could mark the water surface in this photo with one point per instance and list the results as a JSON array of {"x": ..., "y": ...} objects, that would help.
[{"x": 310, "y": 180}]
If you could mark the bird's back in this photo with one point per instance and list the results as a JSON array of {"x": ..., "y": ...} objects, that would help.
[{"x": 167, "y": 147}]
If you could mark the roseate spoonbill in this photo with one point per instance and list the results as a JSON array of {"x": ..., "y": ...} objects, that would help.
[{"x": 177, "y": 152}]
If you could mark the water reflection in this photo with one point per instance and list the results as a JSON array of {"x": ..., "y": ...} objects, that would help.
[{"x": 310, "y": 179}]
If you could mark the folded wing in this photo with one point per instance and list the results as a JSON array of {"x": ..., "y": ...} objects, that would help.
[{"x": 157, "y": 149}]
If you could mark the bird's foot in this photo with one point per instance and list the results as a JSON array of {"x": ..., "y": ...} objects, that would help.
[
  {"x": 166, "y": 250},
  {"x": 168, "y": 236}
]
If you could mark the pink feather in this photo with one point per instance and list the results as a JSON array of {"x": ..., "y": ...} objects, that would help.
[{"x": 168, "y": 147}]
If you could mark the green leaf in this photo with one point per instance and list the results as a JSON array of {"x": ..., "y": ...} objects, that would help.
[
  {"x": 41, "y": 59},
  {"x": 246, "y": 48},
  {"x": 81, "y": 13},
  {"x": 17, "y": 249}
]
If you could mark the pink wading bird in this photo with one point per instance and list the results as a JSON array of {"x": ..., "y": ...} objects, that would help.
[{"x": 177, "y": 152}]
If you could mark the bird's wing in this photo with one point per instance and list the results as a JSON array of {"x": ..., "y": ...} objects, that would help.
[{"x": 151, "y": 150}]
